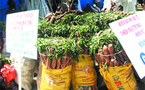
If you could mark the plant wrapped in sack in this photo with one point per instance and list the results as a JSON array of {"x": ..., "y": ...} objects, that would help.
[
  {"x": 58, "y": 50},
  {"x": 106, "y": 44},
  {"x": 57, "y": 54},
  {"x": 115, "y": 66},
  {"x": 83, "y": 26}
]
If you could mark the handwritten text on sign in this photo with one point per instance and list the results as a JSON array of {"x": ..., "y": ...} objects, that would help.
[
  {"x": 21, "y": 33},
  {"x": 131, "y": 34}
]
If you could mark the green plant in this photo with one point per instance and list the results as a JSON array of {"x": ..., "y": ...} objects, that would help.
[
  {"x": 77, "y": 31},
  {"x": 58, "y": 46},
  {"x": 4, "y": 60},
  {"x": 2, "y": 26},
  {"x": 105, "y": 38}
]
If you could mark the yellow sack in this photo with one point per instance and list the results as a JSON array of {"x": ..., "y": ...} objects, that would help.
[
  {"x": 55, "y": 79},
  {"x": 84, "y": 76},
  {"x": 120, "y": 78}
]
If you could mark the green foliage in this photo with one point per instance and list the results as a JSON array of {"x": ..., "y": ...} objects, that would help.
[
  {"x": 105, "y": 38},
  {"x": 73, "y": 29},
  {"x": 4, "y": 60},
  {"x": 47, "y": 29},
  {"x": 57, "y": 47},
  {"x": 2, "y": 26}
]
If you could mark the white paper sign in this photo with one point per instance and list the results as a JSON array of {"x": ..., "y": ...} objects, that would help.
[
  {"x": 21, "y": 33},
  {"x": 131, "y": 34}
]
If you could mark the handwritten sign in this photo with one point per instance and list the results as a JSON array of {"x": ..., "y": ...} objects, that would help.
[
  {"x": 21, "y": 33},
  {"x": 131, "y": 33}
]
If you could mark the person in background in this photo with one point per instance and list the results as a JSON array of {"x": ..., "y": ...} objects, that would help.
[
  {"x": 143, "y": 5},
  {"x": 40, "y": 5},
  {"x": 97, "y": 2},
  {"x": 95, "y": 8},
  {"x": 128, "y": 5},
  {"x": 88, "y": 8},
  {"x": 106, "y": 6},
  {"x": 12, "y": 7},
  {"x": 141, "y": 2}
]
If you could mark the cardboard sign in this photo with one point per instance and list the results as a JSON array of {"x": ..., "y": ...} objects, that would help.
[
  {"x": 21, "y": 33},
  {"x": 131, "y": 33}
]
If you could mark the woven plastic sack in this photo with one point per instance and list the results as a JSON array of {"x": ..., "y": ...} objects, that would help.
[
  {"x": 84, "y": 76},
  {"x": 120, "y": 78},
  {"x": 56, "y": 79}
]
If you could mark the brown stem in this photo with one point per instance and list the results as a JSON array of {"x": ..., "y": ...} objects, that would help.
[
  {"x": 67, "y": 61},
  {"x": 106, "y": 53},
  {"x": 97, "y": 59},
  {"x": 101, "y": 58},
  {"x": 86, "y": 51},
  {"x": 53, "y": 63},
  {"x": 64, "y": 61},
  {"x": 48, "y": 63},
  {"x": 58, "y": 63},
  {"x": 42, "y": 57},
  {"x": 125, "y": 56},
  {"x": 99, "y": 33}
]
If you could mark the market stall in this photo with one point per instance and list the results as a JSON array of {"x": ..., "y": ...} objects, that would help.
[
  {"x": 77, "y": 50},
  {"x": 92, "y": 34}
]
